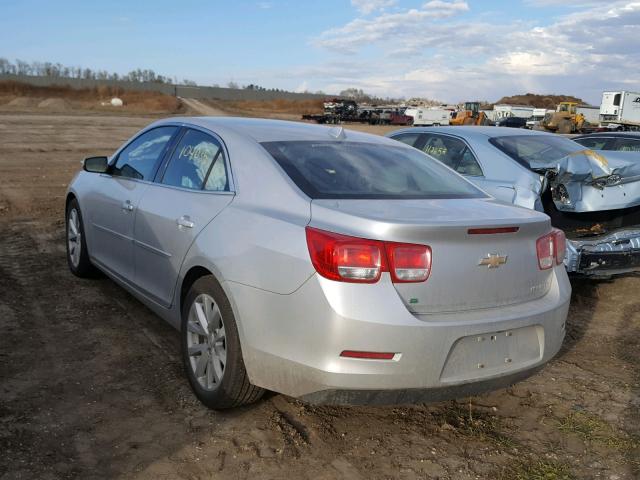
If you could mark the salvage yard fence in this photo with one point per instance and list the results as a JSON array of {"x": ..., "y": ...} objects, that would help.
[{"x": 217, "y": 93}]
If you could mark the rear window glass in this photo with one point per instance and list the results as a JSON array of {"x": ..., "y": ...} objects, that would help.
[
  {"x": 367, "y": 170},
  {"x": 533, "y": 151}
]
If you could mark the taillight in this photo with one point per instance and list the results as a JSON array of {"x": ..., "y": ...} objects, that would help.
[
  {"x": 352, "y": 259},
  {"x": 561, "y": 245},
  {"x": 408, "y": 263},
  {"x": 551, "y": 249},
  {"x": 343, "y": 258}
]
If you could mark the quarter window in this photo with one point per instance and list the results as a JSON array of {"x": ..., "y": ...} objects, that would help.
[
  {"x": 454, "y": 153},
  {"x": 140, "y": 158},
  {"x": 628, "y": 145},
  {"x": 197, "y": 163},
  {"x": 410, "y": 139}
]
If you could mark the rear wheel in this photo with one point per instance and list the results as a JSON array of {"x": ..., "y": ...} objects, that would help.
[
  {"x": 77, "y": 253},
  {"x": 211, "y": 350}
]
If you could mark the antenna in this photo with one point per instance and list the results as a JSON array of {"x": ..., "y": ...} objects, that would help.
[{"x": 338, "y": 133}]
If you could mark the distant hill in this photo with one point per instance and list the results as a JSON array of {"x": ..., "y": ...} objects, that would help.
[{"x": 539, "y": 101}]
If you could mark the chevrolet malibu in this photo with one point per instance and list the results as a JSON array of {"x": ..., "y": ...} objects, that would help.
[{"x": 329, "y": 265}]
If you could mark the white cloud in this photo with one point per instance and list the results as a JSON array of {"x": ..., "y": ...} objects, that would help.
[
  {"x": 444, "y": 6},
  {"x": 388, "y": 26},
  {"x": 428, "y": 51},
  {"x": 265, "y": 5},
  {"x": 369, "y": 6}
]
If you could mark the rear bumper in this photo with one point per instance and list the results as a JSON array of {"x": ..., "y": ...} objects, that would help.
[
  {"x": 612, "y": 254},
  {"x": 292, "y": 343},
  {"x": 411, "y": 396}
]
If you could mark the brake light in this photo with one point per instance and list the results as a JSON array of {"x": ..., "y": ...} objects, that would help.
[
  {"x": 561, "y": 245},
  {"x": 551, "y": 249},
  {"x": 360, "y": 260},
  {"x": 409, "y": 263},
  {"x": 344, "y": 258}
]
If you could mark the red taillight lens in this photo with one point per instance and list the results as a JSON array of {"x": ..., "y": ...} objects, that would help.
[
  {"x": 545, "y": 251},
  {"x": 560, "y": 244},
  {"x": 343, "y": 258},
  {"x": 551, "y": 249},
  {"x": 351, "y": 259},
  {"x": 409, "y": 263}
]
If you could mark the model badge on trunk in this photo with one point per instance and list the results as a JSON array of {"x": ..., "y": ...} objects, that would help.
[{"x": 493, "y": 260}]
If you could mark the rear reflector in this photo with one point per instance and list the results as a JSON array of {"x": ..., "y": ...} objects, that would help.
[
  {"x": 491, "y": 231},
  {"x": 369, "y": 355}
]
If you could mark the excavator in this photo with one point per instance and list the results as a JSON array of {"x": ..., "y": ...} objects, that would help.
[
  {"x": 471, "y": 115},
  {"x": 564, "y": 120}
]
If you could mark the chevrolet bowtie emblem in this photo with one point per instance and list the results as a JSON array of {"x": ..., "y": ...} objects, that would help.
[{"x": 493, "y": 260}]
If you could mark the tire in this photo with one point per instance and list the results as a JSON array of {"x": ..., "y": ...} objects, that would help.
[
  {"x": 76, "y": 241},
  {"x": 217, "y": 384}
]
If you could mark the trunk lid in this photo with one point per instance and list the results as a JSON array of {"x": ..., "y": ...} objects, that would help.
[{"x": 459, "y": 280}]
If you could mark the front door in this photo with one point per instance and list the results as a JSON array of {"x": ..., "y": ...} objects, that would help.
[
  {"x": 112, "y": 203},
  {"x": 192, "y": 188}
]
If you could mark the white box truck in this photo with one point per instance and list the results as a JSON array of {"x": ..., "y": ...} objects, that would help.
[
  {"x": 504, "y": 111},
  {"x": 428, "y": 117},
  {"x": 591, "y": 114},
  {"x": 621, "y": 108}
]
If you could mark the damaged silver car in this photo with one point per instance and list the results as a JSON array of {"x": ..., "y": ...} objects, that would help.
[{"x": 593, "y": 196}]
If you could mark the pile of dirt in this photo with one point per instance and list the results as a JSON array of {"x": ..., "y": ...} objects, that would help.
[
  {"x": 539, "y": 101},
  {"x": 23, "y": 102},
  {"x": 54, "y": 104}
]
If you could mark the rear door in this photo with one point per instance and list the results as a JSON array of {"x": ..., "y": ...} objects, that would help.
[
  {"x": 458, "y": 155},
  {"x": 192, "y": 187},
  {"x": 112, "y": 203}
]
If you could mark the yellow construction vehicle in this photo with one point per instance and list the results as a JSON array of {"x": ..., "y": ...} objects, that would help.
[
  {"x": 471, "y": 115},
  {"x": 564, "y": 120}
]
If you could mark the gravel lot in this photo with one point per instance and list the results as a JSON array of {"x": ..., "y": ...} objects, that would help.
[{"x": 91, "y": 384}]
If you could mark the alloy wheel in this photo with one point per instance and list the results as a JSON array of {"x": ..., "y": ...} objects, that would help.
[
  {"x": 206, "y": 342},
  {"x": 74, "y": 237}
]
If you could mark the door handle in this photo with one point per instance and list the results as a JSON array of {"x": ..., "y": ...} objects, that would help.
[
  {"x": 126, "y": 206},
  {"x": 185, "y": 222}
]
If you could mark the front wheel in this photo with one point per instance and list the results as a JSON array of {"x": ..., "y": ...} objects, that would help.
[
  {"x": 211, "y": 350},
  {"x": 77, "y": 253}
]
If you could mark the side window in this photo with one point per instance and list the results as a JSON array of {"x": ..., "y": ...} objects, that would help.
[
  {"x": 409, "y": 138},
  {"x": 196, "y": 163},
  {"x": 139, "y": 159},
  {"x": 593, "y": 143},
  {"x": 454, "y": 153},
  {"x": 627, "y": 145}
]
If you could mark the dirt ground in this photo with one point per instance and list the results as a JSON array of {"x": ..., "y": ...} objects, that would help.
[{"x": 91, "y": 384}]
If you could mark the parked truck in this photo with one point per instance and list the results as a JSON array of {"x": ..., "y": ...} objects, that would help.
[
  {"x": 429, "y": 116},
  {"x": 537, "y": 117},
  {"x": 620, "y": 110}
]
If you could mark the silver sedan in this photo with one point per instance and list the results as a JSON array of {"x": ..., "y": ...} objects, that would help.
[{"x": 329, "y": 265}]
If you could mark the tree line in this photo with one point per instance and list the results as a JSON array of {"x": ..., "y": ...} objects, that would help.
[{"x": 58, "y": 70}]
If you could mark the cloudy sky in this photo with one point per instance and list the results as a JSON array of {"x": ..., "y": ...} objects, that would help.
[{"x": 450, "y": 50}]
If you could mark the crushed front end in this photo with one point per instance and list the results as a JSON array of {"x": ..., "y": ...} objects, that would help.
[{"x": 595, "y": 200}]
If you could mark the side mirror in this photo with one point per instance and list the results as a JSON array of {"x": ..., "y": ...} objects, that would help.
[{"x": 96, "y": 164}]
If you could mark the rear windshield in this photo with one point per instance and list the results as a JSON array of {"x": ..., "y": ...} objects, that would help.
[
  {"x": 535, "y": 151},
  {"x": 366, "y": 170}
]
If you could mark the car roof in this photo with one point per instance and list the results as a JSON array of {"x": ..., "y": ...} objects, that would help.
[
  {"x": 477, "y": 131},
  {"x": 269, "y": 130}
]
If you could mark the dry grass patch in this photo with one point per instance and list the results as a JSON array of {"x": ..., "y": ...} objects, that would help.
[{"x": 90, "y": 98}]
